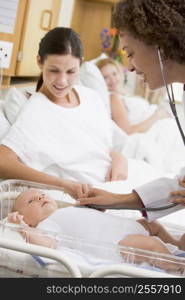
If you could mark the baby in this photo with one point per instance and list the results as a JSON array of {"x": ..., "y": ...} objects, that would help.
[{"x": 32, "y": 208}]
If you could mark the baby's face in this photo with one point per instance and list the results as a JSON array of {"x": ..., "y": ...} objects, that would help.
[{"x": 35, "y": 206}]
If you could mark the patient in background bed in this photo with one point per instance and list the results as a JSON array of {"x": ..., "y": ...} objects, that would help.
[
  {"x": 122, "y": 107},
  {"x": 32, "y": 208},
  {"x": 151, "y": 129}
]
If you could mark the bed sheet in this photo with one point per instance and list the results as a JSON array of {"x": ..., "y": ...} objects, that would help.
[{"x": 161, "y": 146}]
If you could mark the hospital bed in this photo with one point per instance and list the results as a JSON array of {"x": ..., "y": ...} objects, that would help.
[{"x": 76, "y": 257}]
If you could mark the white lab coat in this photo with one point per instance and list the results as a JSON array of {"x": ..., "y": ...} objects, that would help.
[{"x": 157, "y": 193}]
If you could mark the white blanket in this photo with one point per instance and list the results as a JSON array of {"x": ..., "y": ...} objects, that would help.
[
  {"x": 139, "y": 109},
  {"x": 161, "y": 146}
]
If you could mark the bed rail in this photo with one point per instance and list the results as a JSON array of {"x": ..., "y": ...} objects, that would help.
[
  {"x": 129, "y": 271},
  {"x": 42, "y": 251}
]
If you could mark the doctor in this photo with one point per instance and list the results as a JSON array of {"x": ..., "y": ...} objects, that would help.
[{"x": 153, "y": 35}]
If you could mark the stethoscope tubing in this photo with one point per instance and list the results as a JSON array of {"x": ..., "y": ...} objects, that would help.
[{"x": 96, "y": 206}]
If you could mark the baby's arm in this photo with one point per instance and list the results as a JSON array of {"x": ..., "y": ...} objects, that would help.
[
  {"x": 120, "y": 116},
  {"x": 31, "y": 235}
]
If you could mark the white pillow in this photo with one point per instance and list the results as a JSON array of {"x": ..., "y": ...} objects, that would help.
[
  {"x": 101, "y": 56},
  {"x": 13, "y": 103},
  {"x": 4, "y": 124},
  {"x": 91, "y": 77}
]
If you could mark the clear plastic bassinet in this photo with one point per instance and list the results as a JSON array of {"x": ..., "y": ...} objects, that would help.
[{"x": 88, "y": 255}]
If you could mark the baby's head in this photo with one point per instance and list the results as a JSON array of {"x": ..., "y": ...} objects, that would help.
[
  {"x": 112, "y": 73},
  {"x": 35, "y": 206}
]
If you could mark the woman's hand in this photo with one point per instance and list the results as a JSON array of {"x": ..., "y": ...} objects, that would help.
[
  {"x": 76, "y": 189},
  {"x": 179, "y": 196},
  {"x": 160, "y": 114},
  {"x": 119, "y": 167}
]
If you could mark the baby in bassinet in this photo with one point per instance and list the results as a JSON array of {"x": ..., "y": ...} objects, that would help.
[{"x": 32, "y": 208}]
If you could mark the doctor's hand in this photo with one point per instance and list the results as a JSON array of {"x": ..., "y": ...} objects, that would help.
[
  {"x": 179, "y": 196},
  {"x": 101, "y": 197},
  {"x": 118, "y": 169}
]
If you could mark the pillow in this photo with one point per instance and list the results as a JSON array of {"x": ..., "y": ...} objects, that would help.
[
  {"x": 130, "y": 77},
  {"x": 13, "y": 103},
  {"x": 4, "y": 124},
  {"x": 91, "y": 77},
  {"x": 101, "y": 56}
]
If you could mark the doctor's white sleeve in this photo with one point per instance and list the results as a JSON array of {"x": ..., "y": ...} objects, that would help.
[{"x": 157, "y": 194}]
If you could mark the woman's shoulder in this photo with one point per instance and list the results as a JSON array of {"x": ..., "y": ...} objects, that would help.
[
  {"x": 86, "y": 90},
  {"x": 36, "y": 95}
]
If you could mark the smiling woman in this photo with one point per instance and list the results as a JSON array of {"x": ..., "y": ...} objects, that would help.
[
  {"x": 69, "y": 139},
  {"x": 59, "y": 62},
  {"x": 143, "y": 59},
  {"x": 146, "y": 28},
  {"x": 59, "y": 57},
  {"x": 122, "y": 108},
  {"x": 59, "y": 76}
]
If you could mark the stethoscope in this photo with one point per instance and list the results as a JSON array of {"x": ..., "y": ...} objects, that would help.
[
  {"x": 170, "y": 97},
  {"x": 173, "y": 109}
]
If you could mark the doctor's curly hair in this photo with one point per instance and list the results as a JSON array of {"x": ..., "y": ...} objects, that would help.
[{"x": 154, "y": 22}]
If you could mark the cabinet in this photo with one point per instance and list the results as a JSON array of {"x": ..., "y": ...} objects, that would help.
[
  {"x": 40, "y": 17},
  {"x": 89, "y": 18},
  {"x": 34, "y": 18}
]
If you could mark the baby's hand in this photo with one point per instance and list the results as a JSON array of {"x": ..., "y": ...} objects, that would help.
[{"x": 16, "y": 218}]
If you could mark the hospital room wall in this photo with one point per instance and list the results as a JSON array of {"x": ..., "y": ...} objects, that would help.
[
  {"x": 32, "y": 19},
  {"x": 88, "y": 18},
  {"x": 65, "y": 14}
]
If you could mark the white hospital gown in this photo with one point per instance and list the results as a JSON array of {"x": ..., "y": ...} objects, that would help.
[
  {"x": 161, "y": 145},
  {"x": 157, "y": 193},
  {"x": 71, "y": 143}
]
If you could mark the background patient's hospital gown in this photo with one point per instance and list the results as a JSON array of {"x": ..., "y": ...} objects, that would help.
[
  {"x": 72, "y": 143},
  {"x": 161, "y": 145}
]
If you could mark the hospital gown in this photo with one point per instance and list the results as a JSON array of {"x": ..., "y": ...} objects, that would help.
[
  {"x": 161, "y": 145},
  {"x": 157, "y": 193},
  {"x": 73, "y": 143}
]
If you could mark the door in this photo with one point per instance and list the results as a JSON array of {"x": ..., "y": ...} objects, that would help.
[
  {"x": 89, "y": 19},
  {"x": 41, "y": 16}
]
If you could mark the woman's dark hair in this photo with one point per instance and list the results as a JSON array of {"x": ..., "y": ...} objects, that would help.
[
  {"x": 59, "y": 41},
  {"x": 155, "y": 22}
]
